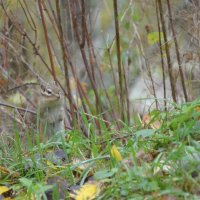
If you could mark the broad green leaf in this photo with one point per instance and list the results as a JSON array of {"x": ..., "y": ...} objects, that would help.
[
  {"x": 105, "y": 174},
  {"x": 145, "y": 133}
]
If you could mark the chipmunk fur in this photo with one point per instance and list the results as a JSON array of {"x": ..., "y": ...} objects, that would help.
[{"x": 51, "y": 112}]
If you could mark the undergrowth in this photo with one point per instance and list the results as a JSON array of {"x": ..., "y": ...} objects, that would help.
[{"x": 156, "y": 162}]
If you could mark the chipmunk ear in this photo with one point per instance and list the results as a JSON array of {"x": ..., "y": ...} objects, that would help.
[{"x": 42, "y": 89}]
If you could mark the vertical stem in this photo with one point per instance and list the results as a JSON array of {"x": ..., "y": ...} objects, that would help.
[
  {"x": 64, "y": 59},
  {"x": 81, "y": 44},
  {"x": 177, "y": 51},
  {"x": 47, "y": 40},
  {"x": 161, "y": 57},
  {"x": 172, "y": 82},
  {"x": 120, "y": 71}
]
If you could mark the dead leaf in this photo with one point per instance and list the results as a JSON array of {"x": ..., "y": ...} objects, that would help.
[
  {"x": 188, "y": 56},
  {"x": 147, "y": 120},
  {"x": 6, "y": 193},
  {"x": 144, "y": 157},
  {"x": 6, "y": 172},
  {"x": 168, "y": 197}
]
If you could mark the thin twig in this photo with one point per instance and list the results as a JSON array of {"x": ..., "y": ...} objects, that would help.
[
  {"x": 171, "y": 77},
  {"x": 161, "y": 56},
  {"x": 120, "y": 71},
  {"x": 18, "y": 108},
  {"x": 177, "y": 51},
  {"x": 64, "y": 60},
  {"x": 47, "y": 41},
  {"x": 20, "y": 86}
]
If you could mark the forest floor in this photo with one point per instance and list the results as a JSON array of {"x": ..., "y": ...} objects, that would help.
[{"x": 157, "y": 158}]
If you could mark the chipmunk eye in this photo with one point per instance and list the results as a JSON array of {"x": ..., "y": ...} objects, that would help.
[{"x": 49, "y": 91}]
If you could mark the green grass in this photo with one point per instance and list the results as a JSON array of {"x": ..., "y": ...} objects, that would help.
[{"x": 171, "y": 166}]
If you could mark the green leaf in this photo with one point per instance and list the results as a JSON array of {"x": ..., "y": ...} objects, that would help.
[
  {"x": 127, "y": 25},
  {"x": 136, "y": 16},
  {"x": 105, "y": 174},
  {"x": 145, "y": 133},
  {"x": 26, "y": 182}
]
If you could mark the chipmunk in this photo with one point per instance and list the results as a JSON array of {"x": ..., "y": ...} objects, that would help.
[{"x": 51, "y": 112}]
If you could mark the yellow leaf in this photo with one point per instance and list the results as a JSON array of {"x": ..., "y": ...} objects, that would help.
[
  {"x": 51, "y": 165},
  {"x": 153, "y": 37},
  {"x": 3, "y": 190},
  {"x": 88, "y": 191},
  {"x": 115, "y": 153}
]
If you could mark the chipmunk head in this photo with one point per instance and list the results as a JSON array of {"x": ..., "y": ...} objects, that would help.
[
  {"x": 50, "y": 95},
  {"x": 50, "y": 92}
]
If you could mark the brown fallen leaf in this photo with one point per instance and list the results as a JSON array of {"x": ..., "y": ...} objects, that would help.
[
  {"x": 141, "y": 157},
  {"x": 144, "y": 157},
  {"x": 5, "y": 171},
  {"x": 168, "y": 197},
  {"x": 147, "y": 121}
]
